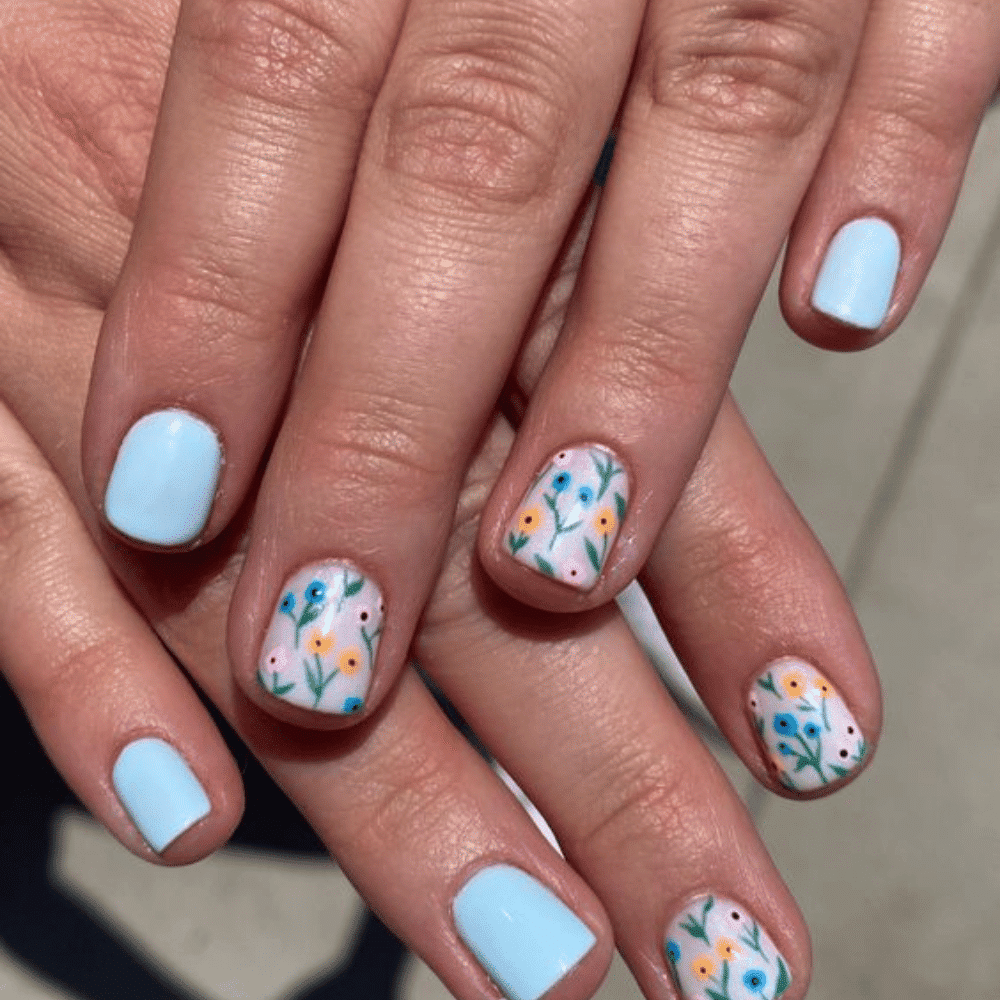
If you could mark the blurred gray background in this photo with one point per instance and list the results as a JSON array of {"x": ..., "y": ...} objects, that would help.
[{"x": 894, "y": 458}]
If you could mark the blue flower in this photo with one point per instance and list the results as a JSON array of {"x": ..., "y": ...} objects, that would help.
[
  {"x": 754, "y": 980},
  {"x": 811, "y": 730},
  {"x": 561, "y": 481},
  {"x": 353, "y": 705},
  {"x": 785, "y": 724},
  {"x": 673, "y": 951},
  {"x": 786, "y": 749},
  {"x": 288, "y": 603},
  {"x": 585, "y": 496},
  {"x": 315, "y": 592}
]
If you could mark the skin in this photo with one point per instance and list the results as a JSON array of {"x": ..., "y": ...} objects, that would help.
[{"x": 409, "y": 810}]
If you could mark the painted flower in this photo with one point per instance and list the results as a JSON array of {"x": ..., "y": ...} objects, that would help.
[
  {"x": 561, "y": 481},
  {"x": 288, "y": 603},
  {"x": 277, "y": 659},
  {"x": 529, "y": 521},
  {"x": 785, "y": 724},
  {"x": 316, "y": 592},
  {"x": 585, "y": 495},
  {"x": 754, "y": 980},
  {"x": 572, "y": 571},
  {"x": 785, "y": 750},
  {"x": 353, "y": 705},
  {"x": 703, "y": 967},
  {"x": 811, "y": 730},
  {"x": 349, "y": 661},
  {"x": 673, "y": 951},
  {"x": 727, "y": 949},
  {"x": 794, "y": 684},
  {"x": 319, "y": 643},
  {"x": 736, "y": 919},
  {"x": 605, "y": 522},
  {"x": 824, "y": 687}
]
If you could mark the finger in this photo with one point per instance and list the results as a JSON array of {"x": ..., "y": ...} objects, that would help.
[
  {"x": 263, "y": 112},
  {"x": 726, "y": 117},
  {"x": 878, "y": 206},
  {"x": 476, "y": 158},
  {"x": 115, "y": 715},
  {"x": 637, "y": 803},
  {"x": 759, "y": 618}
]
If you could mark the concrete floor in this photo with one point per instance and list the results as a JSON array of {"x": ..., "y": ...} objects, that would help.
[{"x": 891, "y": 456}]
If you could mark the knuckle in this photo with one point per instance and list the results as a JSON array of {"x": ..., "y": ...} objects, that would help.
[
  {"x": 757, "y": 68},
  {"x": 295, "y": 54},
  {"x": 483, "y": 118},
  {"x": 641, "y": 795}
]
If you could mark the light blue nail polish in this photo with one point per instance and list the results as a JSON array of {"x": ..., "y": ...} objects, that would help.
[
  {"x": 163, "y": 484},
  {"x": 158, "y": 790},
  {"x": 522, "y": 934},
  {"x": 858, "y": 274}
]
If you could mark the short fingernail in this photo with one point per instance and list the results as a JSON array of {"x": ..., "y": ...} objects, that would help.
[
  {"x": 858, "y": 274},
  {"x": 715, "y": 948},
  {"x": 523, "y": 935},
  {"x": 159, "y": 791},
  {"x": 810, "y": 737},
  {"x": 569, "y": 519},
  {"x": 164, "y": 478},
  {"x": 320, "y": 648}
]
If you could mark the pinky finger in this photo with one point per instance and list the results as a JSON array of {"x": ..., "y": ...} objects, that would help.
[{"x": 114, "y": 714}]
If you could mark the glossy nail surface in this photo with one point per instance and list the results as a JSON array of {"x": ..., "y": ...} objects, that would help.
[
  {"x": 569, "y": 519},
  {"x": 164, "y": 478},
  {"x": 717, "y": 951},
  {"x": 809, "y": 734},
  {"x": 321, "y": 645},
  {"x": 858, "y": 274},
  {"x": 522, "y": 934},
  {"x": 159, "y": 791}
]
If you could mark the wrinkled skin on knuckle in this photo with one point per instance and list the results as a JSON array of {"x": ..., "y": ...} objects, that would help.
[
  {"x": 299, "y": 55},
  {"x": 754, "y": 68},
  {"x": 485, "y": 114}
]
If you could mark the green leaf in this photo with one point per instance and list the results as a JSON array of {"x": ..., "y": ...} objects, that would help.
[
  {"x": 804, "y": 706},
  {"x": 516, "y": 543},
  {"x": 801, "y": 763},
  {"x": 309, "y": 613},
  {"x": 354, "y": 586},
  {"x": 709, "y": 903},
  {"x": 784, "y": 980},
  {"x": 715, "y": 994},
  {"x": 545, "y": 566},
  {"x": 260, "y": 679},
  {"x": 595, "y": 559},
  {"x": 283, "y": 688},
  {"x": 786, "y": 780},
  {"x": 725, "y": 977},
  {"x": 840, "y": 772},
  {"x": 550, "y": 500},
  {"x": 760, "y": 727},
  {"x": 862, "y": 750},
  {"x": 621, "y": 505},
  {"x": 767, "y": 683}
]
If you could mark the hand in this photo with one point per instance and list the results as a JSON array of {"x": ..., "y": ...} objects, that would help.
[
  {"x": 405, "y": 805},
  {"x": 439, "y": 154}
]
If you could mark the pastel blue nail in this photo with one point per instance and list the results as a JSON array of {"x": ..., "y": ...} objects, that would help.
[
  {"x": 163, "y": 483},
  {"x": 858, "y": 274},
  {"x": 159, "y": 791},
  {"x": 522, "y": 934}
]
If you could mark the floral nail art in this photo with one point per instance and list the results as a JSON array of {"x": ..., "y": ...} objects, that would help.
[
  {"x": 320, "y": 648},
  {"x": 810, "y": 737},
  {"x": 569, "y": 519},
  {"x": 717, "y": 951}
]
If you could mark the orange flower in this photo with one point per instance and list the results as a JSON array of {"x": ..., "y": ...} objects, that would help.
[
  {"x": 350, "y": 661},
  {"x": 605, "y": 522},
  {"x": 529, "y": 520},
  {"x": 319, "y": 643},
  {"x": 703, "y": 967},
  {"x": 824, "y": 687},
  {"x": 726, "y": 949},
  {"x": 794, "y": 684}
]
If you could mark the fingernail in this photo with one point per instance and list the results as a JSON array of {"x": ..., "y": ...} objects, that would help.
[
  {"x": 858, "y": 274},
  {"x": 522, "y": 934},
  {"x": 715, "y": 948},
  {"x": 570, "y": 517},
  {"x": 159, "y": 791},
  {"x": 163, "y": 482},
  {"x": 320, "y": 648},
  {"x": 810, "y": 737}
]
